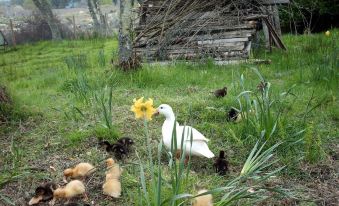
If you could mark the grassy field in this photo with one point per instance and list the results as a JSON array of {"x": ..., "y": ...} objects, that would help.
[{"x": 60, "y": 95}]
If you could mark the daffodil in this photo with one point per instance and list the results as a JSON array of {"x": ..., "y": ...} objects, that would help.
[
  {"x": 143, "y": 109},
  {"x": 327, "y": 33}
]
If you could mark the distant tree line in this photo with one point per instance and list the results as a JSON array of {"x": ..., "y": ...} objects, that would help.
[{"x": 305, "y": 16}]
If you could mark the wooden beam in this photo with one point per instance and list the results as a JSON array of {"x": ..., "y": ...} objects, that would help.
[{"x": 273, "y": 34}]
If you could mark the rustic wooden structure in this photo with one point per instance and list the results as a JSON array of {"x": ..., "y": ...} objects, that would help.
[
  {"x": 194, "y": 29},
  {"x": 3, "y": 41}
]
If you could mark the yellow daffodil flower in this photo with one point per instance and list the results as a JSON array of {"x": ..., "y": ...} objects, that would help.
[{"x": 143, "y": 109}]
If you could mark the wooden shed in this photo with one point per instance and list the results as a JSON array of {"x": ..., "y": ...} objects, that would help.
[{"x": 195, "y": 29}]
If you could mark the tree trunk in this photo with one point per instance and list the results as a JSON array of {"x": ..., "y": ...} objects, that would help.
[
  {"x": 46, "y": 11},
  {"x": 125, "y": 43},
  {"x": 91, "y": 8}
]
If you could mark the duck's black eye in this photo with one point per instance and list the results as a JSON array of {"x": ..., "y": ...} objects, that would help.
[{"x": 161, "y": 107}]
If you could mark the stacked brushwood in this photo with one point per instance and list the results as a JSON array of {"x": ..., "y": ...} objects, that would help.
[{"x": 195, "y": 29}]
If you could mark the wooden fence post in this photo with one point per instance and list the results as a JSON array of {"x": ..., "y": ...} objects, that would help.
[
  {"x": 276, "y": 19},
  {"x": 13, "y": 34},
  {"x": 74, "y": 28}
]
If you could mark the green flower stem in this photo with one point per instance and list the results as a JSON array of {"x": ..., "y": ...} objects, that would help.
[
  {"x": 151, "y": 166},
  {"x": 148, "y": 143}
]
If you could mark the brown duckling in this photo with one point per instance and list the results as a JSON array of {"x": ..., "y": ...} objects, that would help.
[
  {"x": 221, "y": 164},
  {"x": 126, "y": 141},
  {"x": 220, "y": 92},
  {"x": 43, "y": 193}
]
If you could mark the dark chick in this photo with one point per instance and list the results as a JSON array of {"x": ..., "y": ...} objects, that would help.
[
  {"x": 126, "y": 141},
  {"x": 43, "y": 193},
  {"x": 108, "y": 146},
  {"x": 119, "y": 150},
  {"x": 221, "y": 164},
  {"x": 220, "y": 92},
  {"x": 233, "y": 115}
]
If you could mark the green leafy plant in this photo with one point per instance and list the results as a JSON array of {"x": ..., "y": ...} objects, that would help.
[{"x": 105, "y": 106}]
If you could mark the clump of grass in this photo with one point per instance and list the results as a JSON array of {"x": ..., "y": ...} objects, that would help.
[
  {"x": 76, "y": 62},
  {"x": 99, "y": 101},
  {"x": 313, "y": 145},
  {"x": 257, "y": 110},
  {"x": 103, "y": 133},
  {"x": 101, "y": 58},
  {"x": 6, "y": 107},
  {"x": 261, "y": 112},
  {"x": 103, "y": 107},
  {"x": 77, "y": 136},
  {"x": 73, "y": 113},
  {"x": 79, "y": 85},
  {"x": 326, "y": 70},
  {"x": 9, "y": 109},
  {"x": 13, "y": 170}
]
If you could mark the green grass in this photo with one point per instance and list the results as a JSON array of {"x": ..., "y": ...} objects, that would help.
[{"x": 67, "y": 94}]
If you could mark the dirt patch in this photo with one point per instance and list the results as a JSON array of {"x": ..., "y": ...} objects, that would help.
[{"x": 322, "y": 185}]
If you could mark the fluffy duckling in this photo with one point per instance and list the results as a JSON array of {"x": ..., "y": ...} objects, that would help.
[
  {"x": 234, "y": 115},
  {"x": 43, "y": 193},
  {"x": 126, "y": 141},
  {"x": 110, "y": 163},
  {"x": 118, "y": 149},
  {"x": 72, "y": 189},
  {"x": 220, "y": 92},
  {"x": 79, "y": 171},
  {"x": 221, "y": 164},
  {"x": 204, "y": 200},
  {"x": 112, "y": 185}
]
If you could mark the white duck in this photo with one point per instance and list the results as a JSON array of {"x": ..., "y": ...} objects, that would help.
[{"x": 199, "y": 142}]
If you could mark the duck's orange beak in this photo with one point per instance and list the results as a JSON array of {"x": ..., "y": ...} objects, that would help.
[{"x": 156, "y": 112}]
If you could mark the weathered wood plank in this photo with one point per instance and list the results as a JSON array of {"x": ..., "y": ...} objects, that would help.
[
  {"x": 201, "y": 49},
  {"x": 222, "y": 41}
]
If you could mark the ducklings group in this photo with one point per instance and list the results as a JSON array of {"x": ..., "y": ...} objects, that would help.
[{"x": 51, "y": 192}]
